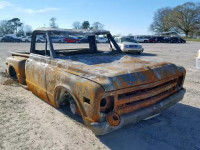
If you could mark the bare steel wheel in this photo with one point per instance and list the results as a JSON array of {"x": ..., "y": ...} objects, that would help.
[
  {"x": 73, "y": 107},
  {"x": 65, "y": 99}
]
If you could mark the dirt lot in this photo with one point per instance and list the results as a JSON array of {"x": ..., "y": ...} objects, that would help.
[{"x": 27, "y": 122}]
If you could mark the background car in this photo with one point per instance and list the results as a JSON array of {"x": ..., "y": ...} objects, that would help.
[
  {"x": 57, "y": 39},
  {"x": 159, "y": 39},
  {"x": 129, "y": 45},
  {"x": 177, "y": 40},
  {"x": 40, "y": 39},
  {"x": 141, "y": 39},
  {"x": 198, "y": 60},
  {"x": 84, "y": 40},
  {"x": 26, "y": 39},
  {"x": 71, "y": 39},
  {"x": 101, "y": 40},
  {"x": 10, "y": 38}
]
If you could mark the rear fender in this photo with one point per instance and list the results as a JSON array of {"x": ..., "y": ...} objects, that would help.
[{"x": 18, "y": 63}]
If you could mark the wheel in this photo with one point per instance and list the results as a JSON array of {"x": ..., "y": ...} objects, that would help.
[{"x": 65, "y": 100}]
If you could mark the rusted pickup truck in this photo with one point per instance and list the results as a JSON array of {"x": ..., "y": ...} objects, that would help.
[{"x": 97, "y": 81}]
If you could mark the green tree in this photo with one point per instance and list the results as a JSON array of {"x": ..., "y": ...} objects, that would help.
[
  {"x": 52, "y": 23},
  {"x": 85, "y": 25},
  {"x": 13, "y": 25}
]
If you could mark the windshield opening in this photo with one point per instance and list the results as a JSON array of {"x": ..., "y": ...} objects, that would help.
[
  {"x": 125, "y": 39},
  {"x": 66, "y": 44}
]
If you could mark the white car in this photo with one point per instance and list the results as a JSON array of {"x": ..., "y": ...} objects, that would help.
[
  {"x": 26, "y": 39},
  {"x": 129, "y": 45},
  {"x": 141, "y": 39},
  {"x": 40, "y": 39},
  {"x": 198, "y": 60},
  {"x": 101, "y": 40}
]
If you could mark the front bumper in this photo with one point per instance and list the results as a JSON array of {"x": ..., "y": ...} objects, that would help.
[
  {"x": 133, "y": 50},
  {"x": 198, "y": 63},
  {"x": 134, "y": 117}
]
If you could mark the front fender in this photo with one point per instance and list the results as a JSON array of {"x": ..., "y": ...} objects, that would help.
[{"x": 87, "y": 95}]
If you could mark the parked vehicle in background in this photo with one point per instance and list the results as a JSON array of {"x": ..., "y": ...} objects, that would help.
[
  {"x": 71, "y": 39},
  {"x": 1, "y": 37},
  {"x": 84, "y": 40},
  {"x": 198, "y": 60},
  {"x": 101, "y": 40},
  {"x": 57, "y": 39},
  {"x": 40, "y": 39},
  {"x": 159, "y": 39},
  {"x": 127, "y": 44},
  {"x": 177, "y": 40},
  {"x": 26, "y": 39},
  {"x": 141, "y": 39},
  {"x": 10, "y": 38}
]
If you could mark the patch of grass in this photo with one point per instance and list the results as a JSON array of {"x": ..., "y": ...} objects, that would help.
[{"x": 194, "y": 40}]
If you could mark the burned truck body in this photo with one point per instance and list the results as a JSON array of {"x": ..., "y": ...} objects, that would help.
[{"x": 107, "y": 88}]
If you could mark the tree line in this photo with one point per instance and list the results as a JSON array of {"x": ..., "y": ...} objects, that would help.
[
  {"x": 78, "y": 25},
  {"x": 15, "y": 26},
  {"x": 86, "y": 25},
  {"x": 183, "y": 19}
]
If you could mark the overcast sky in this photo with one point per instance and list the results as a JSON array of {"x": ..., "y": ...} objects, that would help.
[{"x": 118, "y": 16}]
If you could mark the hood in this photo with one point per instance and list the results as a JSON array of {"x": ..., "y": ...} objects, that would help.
[
  {"x": 118, "y": 71},
  {"x": 129, "y": 43}
]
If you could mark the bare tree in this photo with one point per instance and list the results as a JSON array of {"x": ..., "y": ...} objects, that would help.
[
  {"x": 186, "y": 18},
  {"x": 52, "y": 23},
  {"x": 3, "y": 27},
  {"x": 97, "y": 26},
  {"x": 28, "y": 29},
  {"x": 161, "y": 20},
  {"x": 76, "y": 25}
]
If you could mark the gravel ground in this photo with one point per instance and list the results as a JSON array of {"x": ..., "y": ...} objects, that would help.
[{"x": 27, "y": 122}]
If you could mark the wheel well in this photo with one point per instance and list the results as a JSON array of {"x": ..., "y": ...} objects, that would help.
[
  {"x": 63, "y": 97},
  {"x": 12, "y": 72},
  {"x": 67, "y": 104}
]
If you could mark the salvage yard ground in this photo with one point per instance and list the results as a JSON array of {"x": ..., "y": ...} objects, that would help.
[{"x": 27, "y": 122}]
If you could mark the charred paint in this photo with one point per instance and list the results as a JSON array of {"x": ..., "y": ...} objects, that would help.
[{"x": 126, "y": 83}]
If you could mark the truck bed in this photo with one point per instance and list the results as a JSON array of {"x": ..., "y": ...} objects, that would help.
[{"x": 22, "y": 54}]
